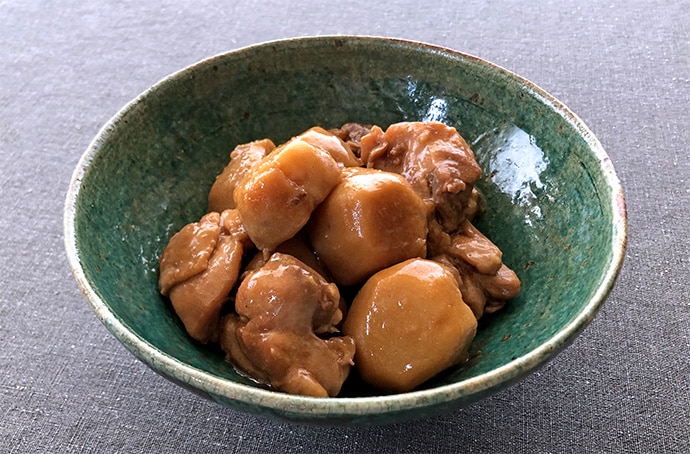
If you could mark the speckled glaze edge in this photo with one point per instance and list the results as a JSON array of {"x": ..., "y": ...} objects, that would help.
[{"x": 360, "y": 409}]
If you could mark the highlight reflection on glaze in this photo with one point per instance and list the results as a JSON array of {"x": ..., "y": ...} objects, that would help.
[
  {"x": 435, "y": 109},
  {"x": 514, "y": 162}
]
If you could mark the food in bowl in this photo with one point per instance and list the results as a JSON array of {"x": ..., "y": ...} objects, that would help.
[
  {"x": 383, "y": 215},
  {"x": 556, "y": 206}
]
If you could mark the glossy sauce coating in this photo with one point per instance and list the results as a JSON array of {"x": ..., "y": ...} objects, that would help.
[
  {"x": 370, "y": 220},
  {"x": 199, "y": 267},
  {"x": 188, "y": 251},
  {"x": 276, "y": 198},
  {"x": 386, "y": 214},
  {"x": 242, "y": 158},
  {"x": 281, "y": 307},
  {"x": 409, "y": 323}
]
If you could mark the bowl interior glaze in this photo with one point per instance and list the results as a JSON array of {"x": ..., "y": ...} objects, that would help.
[{"x": 555, "y": 206}]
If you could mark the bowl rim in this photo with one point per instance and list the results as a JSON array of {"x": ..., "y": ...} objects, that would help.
[{"x": 248, "y": 396}]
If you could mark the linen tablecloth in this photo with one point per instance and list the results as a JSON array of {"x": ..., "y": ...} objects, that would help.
[{"x": 66, "y": 67}]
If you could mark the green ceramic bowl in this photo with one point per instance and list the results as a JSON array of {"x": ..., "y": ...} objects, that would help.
[{"x": 555, "y": 205}]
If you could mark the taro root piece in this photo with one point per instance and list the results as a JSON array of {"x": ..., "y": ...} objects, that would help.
[
  {"x": 409, "y": 323},
  {"x": 276, "y": 198},
  {"x": 242, "y": 158},
  {"x": 281, "y": 310},
  {"x": 199, "y": 267},
  {"x": 434, "y": 158},
  {"x": 370, "y": 220}
]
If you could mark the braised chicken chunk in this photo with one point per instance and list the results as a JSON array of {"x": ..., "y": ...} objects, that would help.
[
  {"x": 351, "y": 134},
  {"x": 199, "y": 267},
  {"x": 485, "y": 281},
  {"x": 433, "y": 157},
  {"x": 281, "y": 310}
]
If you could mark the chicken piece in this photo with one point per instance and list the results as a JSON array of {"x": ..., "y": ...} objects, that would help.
[
  {"x": 188, "y": 251},
  {"x": 409, "y": 323},
  {"x": 281, "y": 308},
  {"x": 485, "y": 281},
  {"x": 199, "y": 267},
  {"x": 331, "y": 144},
  {"x": 231, "y": 224},
  {"x": 370, "y": 220},
  {"x": 500, "y": 287},
  {"x": 434, "y": 158},
  {"x": 474, "y": 205},
  {"x": 276, "y": 198},
  {"x": 242, "y": 158},
  {"x": 351, "y": 134},
  {"x": 298, "y": 246},
  {"x": 470, "y": 245}
]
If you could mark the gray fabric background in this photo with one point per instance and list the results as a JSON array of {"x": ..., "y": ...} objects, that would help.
[{"x": 66, "y": 385}]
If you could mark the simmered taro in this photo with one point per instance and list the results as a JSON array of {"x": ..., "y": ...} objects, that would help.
[
  {"x": 409, "y": 323},
  {"x": 276, "y": 197},
  {"x": 370, "y": 220},
  {"x": 331, "y": 144}
]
